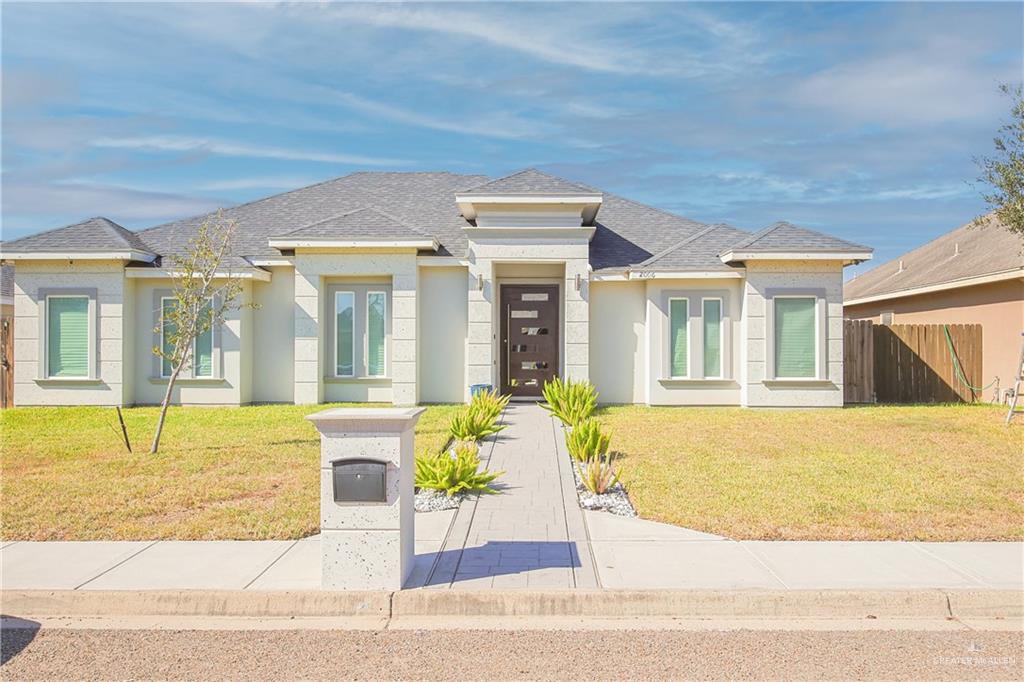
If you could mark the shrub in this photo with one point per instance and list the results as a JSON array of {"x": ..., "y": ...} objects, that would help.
[
  {"x": 598, "y": 475},
  {"x": 480, "y": 418},
  {"x": 571, "y": 401},
  {"x": 455, "y": 472},
  {"x": 586, "y": 441}
]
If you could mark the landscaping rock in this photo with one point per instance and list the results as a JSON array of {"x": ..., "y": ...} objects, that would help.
[
  {"x": 615, "y": 501},
  {"x": 435, "y": 500}
]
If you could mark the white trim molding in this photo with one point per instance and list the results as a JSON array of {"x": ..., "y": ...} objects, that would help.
[
  {"x": 130, "y": 255},
  {"x": 156, "y": 273},
  {"x": 1017, "y": 273},
  {"x": 431, "y": 244}
]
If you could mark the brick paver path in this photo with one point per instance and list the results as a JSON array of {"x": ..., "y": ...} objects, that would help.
[{"x": 530, "y": 535}]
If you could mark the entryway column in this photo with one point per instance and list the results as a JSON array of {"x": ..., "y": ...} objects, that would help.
[
  {"x": 480, "y": 336},
  {"x": 308, "y": 377},
  {"x": 577, "y": 319}
]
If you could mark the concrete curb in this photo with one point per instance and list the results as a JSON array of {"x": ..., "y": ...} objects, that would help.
[{"x": 822, "y": 604}]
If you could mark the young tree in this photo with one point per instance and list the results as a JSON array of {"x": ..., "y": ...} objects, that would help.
[
  {"x": 1003, "y": 172},
  {"x": 204, "y": 291}
]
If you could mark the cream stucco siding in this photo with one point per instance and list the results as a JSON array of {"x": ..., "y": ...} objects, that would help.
[
  {"x": 617, "y": 351},
  {"x": 226, "y": 387},
  {"x": 697, "y": 389},
  {"x": 104, "y": 282},
  {"x": 273, "y": 359},
  {"x": 442, "y": 338},
  {"x": 767, "y": 278}
]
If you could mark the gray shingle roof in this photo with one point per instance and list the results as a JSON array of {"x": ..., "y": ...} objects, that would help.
[
  {"x": 387, "y": 205},
  {"x": 530, "y": 181},
  {"x": 965, "y": 252},
  {"x": 358, "y": 225},
  {"x": 92, "y": 235},
  {"x": 783, "y": 236},
  {"x": 698, "y": 252}
]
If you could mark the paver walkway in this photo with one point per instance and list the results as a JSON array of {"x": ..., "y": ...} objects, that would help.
[{"x": 530, "y": 535}]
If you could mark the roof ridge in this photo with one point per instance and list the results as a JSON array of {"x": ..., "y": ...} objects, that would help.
[
  {"x": 760, "y": 234},
  {"x": 578, "y": 185},
  {"x": 649, "y": 207},
  {"x": 361, "y": 209},
  {"x": 687, "y": 240}
]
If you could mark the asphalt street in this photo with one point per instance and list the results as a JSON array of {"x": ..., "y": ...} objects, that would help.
[{"x": 161, "y": 654}]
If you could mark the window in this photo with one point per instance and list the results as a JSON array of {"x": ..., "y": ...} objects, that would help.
[
  {"x": 344, "y": 333},
  {"x": 67, "y": 336},
  {"x": 712, "y": 321},
  {"x": 376, "y": 333},
  {"x": 202, "y": 348},
  {"x": 360, "y": 335},
  {"x": 796, "y": 342},
  {"x": 678, "y": 317}
]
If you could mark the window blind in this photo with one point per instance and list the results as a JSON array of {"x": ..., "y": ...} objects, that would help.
[
  {"x": 795, "y": 337},
  {"x": 68, "y": 336},
  {"x": 344, "y": 306},
  {"x": 203, "y": 351},
  {"x": 712, "y": 337},
  {"x": 376, "y": 331},
  {"x": 677, "y": 318}
]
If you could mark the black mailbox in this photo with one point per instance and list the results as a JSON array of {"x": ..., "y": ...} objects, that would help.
[{"x": 359, "y": 480}]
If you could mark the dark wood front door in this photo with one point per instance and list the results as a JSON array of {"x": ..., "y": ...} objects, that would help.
[{"x": 529, "y": 337}]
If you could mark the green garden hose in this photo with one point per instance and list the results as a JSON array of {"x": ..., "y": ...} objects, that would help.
[{"x": 958, "y": 370}]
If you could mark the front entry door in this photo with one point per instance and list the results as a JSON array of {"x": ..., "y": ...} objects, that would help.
[{"x": 529, "y": 337}]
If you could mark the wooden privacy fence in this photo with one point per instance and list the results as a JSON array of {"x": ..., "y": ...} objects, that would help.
[
  {"x": 910, "y": 363},
  {"x": 6, "y": 361}
]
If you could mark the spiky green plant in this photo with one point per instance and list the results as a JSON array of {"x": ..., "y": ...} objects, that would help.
[
  {"x": 571, "y": 401},
  {"x": 480, "y": 418},
  {"x": 586, "y": 441},
  {"x": 598, "y": 475},
  {"x": 489, "y": 404},
  {"x": 454, "y": 472}
]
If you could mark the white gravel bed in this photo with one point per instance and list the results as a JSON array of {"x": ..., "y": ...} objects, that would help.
[{"x": 436, "y": 500}]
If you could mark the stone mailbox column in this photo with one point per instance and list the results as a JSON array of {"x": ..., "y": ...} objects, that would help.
[{"x": 366, "y": 545}]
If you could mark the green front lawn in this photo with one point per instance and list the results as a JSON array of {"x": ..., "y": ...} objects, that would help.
[
  {"x": 222, "y": 472},
  {"x": 952, "y": 472}
]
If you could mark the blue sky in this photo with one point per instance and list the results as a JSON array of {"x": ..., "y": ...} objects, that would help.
[{"x": 859, "y": 119}]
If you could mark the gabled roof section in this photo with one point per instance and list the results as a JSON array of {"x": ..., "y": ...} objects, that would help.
[
  {"x": 696, "y": 253},
  {"x": 530, "y": 181},
  {"x": 961, "y": 257},
  {"x": 367, "y": 224},
  {"x": 786, "y": 240},
  {"x": 93, "y": 236}
]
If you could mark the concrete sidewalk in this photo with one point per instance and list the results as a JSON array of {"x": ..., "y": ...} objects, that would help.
[{"x": 630, "y": 554}]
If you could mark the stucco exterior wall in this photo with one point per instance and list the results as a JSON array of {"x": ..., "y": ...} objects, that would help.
[
  {"x": 617, "y": 340},
  {"x": 312, "y": 271},
  {"x": 998, "y": 307},
  {"x": 663, "y": 390},
  {"x": 32, "y": 281},
  {"x": 273, "y": 357},
  {"x": 232, "y": 372},
  {"x": 444, "y": 320},
  {"x": 764, "y": 277}
]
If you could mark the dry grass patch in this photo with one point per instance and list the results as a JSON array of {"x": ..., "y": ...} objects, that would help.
[
  {"x": 222, "y": 472},
  {"x": 951, "y": 472}
]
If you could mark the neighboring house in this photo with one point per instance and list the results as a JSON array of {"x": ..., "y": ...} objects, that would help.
[
  {"x": 410, "y": 287},
  {"x": 972, "y": 275}
]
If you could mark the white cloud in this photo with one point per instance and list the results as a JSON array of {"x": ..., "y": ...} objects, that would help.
[{"x": 175, "y": 143}]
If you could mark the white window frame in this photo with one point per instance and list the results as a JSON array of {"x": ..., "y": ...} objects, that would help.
[
  {"x": 366, "y": 337},
  {"x": 213, "y": 346},
  {"x": 689, "y": 338},
  {"x": 45, "y": 335},
  {"x": 334, "y": 368},
  {"x": 817, "y": 338},
  {"x": 721, "y": 336}
]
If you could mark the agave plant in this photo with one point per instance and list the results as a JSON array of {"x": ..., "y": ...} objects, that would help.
[
  {"x": 489, "y": 404},
  {"x": 454, "y": 472},
  {"x": 586, "y": 441},
  {"x": 571, "y": 401},
  {"x": 598, "y": 475},
  {"x": 479, "y": 419}
]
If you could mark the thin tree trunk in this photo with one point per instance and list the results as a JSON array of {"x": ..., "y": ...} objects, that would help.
[{"x": 163, "y": 409}]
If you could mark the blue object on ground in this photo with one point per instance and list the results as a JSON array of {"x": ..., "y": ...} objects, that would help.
[{"x": 478, "y": 388}]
